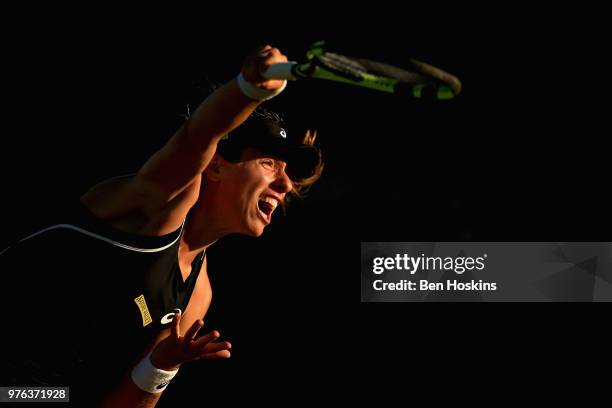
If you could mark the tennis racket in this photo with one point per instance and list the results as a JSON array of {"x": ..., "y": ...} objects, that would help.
[{"x": 416, "y": 78}]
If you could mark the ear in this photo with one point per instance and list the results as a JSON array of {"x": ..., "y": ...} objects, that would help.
[{"x": 213, "y": 170}]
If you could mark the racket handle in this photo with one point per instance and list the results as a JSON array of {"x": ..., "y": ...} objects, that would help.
[{"x": 282, "y": 70}]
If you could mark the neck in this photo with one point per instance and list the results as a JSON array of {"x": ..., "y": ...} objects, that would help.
[{"x": 201, "y": 230}]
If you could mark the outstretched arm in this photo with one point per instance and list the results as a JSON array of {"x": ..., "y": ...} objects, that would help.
[
  {"x": 171, "y": 170},
  {"x": 168, "y": 183}
]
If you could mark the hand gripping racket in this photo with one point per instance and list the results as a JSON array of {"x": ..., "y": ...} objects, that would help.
[{"x": 416, "y": 78}]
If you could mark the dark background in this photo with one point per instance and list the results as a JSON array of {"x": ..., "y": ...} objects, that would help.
[{"x": 520, "y": 155}]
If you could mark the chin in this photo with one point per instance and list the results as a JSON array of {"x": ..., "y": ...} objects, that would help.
[
  {"x": 258, "y": 232},
  {"x": 254, "y": 231},
  {"x": 254, "y": 234}
]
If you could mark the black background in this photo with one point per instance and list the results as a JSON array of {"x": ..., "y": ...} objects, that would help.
[{"x": 520, "y": 155}]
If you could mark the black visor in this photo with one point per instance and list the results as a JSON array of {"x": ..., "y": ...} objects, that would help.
[{"x": 269, "y": 137}]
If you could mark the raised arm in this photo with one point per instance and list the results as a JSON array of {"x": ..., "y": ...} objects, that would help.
[
  {"x": 168, "y": 182},
  {"x": 172, "y": 169}
]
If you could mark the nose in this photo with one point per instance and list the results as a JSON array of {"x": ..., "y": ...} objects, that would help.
[{"x": 282, "y": 183}]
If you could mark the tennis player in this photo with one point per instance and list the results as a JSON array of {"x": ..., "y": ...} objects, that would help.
[{"x": 111, "y": 301}]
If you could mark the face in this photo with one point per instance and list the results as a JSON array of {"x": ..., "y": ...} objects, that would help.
[{"x": 251, "y": 190}]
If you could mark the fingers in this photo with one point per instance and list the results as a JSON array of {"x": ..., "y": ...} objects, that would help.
[
  {"x": 193, "y": 330},
  {"x": 269, "y": 50},
  {"x": 176, "y": 328},
  {"x": 271, "y": 56},
  {"x": 207, "y": 338},
  {"x": 264, "y": 48},
  {"x": 216, "y": 355},
  {"x": 258, "y": 62},
  {"x": 215, "y": 347}
]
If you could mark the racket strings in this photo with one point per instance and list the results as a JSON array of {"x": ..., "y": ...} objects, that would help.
[
  {"x": 416, "y": 77},
  {"x": 341, "y": 65},
  {"x": 417, "y": 72},
  {"x": 399, "y": 74}
]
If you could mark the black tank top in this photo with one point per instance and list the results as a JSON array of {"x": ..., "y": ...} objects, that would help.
[{"x": 92, "y": 295}]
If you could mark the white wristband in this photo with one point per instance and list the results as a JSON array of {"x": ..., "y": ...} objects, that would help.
[
  {"x": 150, "y": 378},
  {"x": 255, "y": 92}
]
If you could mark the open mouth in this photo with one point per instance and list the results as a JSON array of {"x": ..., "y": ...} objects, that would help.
[{"x": 266, "y": 206}]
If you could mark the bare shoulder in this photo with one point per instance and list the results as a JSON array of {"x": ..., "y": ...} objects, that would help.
[{"x": 133, "y": 205}]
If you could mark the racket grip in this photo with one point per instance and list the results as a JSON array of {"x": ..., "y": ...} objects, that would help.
[{"x": 282, "y": 70}]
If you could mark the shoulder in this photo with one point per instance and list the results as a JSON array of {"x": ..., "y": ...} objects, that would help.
[{"x": 136, "y": 206}]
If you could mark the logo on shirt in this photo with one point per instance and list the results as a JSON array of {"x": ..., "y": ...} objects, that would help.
[
  {"x": 168, "y": 318},
  {"x": 144, "y": 310}
]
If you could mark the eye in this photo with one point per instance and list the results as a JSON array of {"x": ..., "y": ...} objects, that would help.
[{"x": 268, "y": 163}]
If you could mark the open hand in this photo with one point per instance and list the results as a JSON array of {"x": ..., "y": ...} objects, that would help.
[{"x": 176, "y": 349}]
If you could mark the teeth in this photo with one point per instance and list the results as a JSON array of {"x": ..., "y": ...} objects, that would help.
[{"x": 272, "y": 201}]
